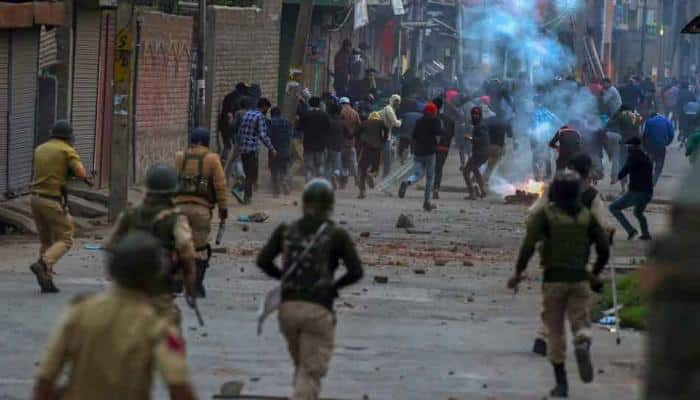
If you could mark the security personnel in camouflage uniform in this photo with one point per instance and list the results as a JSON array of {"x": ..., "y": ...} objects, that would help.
[
  {"x": 113, "y": 341},
  {"x": 306, "y": 314},
  {"x": 201, "y": 185},
  {"x": 54, "y": 163},
  {"x": 590, "y": 198},
  {"x": 567, "y": 230},
  {"x": 158, "y": 216}
]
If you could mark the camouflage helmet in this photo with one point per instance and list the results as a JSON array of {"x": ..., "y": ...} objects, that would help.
[
  {"x": 318, "y": 199},
  {"x": 62, "y": 129},
  {"x": 136, "y": 261},
  {"x": 161, "y": 179}
]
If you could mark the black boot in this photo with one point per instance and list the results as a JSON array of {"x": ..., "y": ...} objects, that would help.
[
  {"x": 583, "y": 359},
  {"x": 51, "y": 288},
  {"x": 201, "y": 269},
  {"x": 41, "y": 271},
  {"x": 540, "y": 347},
  {"x": 561, "y": 390}
]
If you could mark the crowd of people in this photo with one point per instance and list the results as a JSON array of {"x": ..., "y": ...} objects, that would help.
[{"x": 161, "y": 247}]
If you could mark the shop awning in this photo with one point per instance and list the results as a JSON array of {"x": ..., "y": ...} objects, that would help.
[{"x": 693, "y": 26}]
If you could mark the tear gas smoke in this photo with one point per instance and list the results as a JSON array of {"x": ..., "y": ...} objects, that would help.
[{"x": 518, "y": 44}]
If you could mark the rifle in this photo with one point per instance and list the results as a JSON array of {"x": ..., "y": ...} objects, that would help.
[
  {"x": 64, "y": 191},
  {"x": 273, "y": 299}
]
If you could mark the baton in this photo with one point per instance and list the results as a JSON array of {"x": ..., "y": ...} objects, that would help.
[
  {"x": 192, "y": 302},
  {"x": 220, "y": 234}
]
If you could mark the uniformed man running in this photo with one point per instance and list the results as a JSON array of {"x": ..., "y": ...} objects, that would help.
[
  {"x": 114, "y": 341},
  {"x": 54, "y": 163},
  {"x": 158, "y": 216},
  {"x": 201, "y": 186},
  {"x": 590, "y": 199},
  {"x": 567, "y": 230},
  {"x": 311, "y": 248}
]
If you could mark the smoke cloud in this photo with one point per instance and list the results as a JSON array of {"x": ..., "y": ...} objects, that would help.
[{"x": 517, "y": 42}]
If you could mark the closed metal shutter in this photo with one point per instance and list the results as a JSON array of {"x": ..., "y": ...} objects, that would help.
[
  {"x": 48, "y": 48},
  {"x": 85, "y": 80},
  {"x": 4, "y": 97},
  {"x": 23, "y": 77}
]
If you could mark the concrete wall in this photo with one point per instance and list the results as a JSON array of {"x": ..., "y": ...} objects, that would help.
[
  {"x": 162, "y": 94},
  {"x": 243, "y": 47}
]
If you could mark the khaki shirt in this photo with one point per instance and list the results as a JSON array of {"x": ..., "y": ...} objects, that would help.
[
  {"x": 184, "y": 245},
  {"x": 53, "y": 161},
  {"x": 113, "y": 342},
  {"x": 211, "y": 169}
]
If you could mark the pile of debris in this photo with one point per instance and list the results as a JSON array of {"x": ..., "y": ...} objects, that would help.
[{"x": 522, "y": 197}]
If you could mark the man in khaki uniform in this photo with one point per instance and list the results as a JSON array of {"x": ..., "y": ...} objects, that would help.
[
  {"x": 311, "y": 249},
  {"x": 201, "y": 185},
  {"x": 567, "y": 230},
  {"x": 54, "y": 163},
  {"x": 113, "y": 341},
  {"x": 157, "y": 215}
]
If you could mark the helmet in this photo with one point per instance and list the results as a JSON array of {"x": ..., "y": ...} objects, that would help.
[
  {"x": 161, "y": 179},
  {"x": 200, "y": 135},
  {"x": 136, "y": 259},
  {"x": 62, "y": 129},
  {"x": 318, "y": 199},
  {"x": 565, "y": 190}
]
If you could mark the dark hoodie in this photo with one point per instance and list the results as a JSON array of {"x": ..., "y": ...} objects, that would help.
[{"x": 425, "y": 135}]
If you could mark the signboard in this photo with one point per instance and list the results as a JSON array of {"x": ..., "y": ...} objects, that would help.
[
  {"x": 123, "y": 45},
  {"x": 361, "y": 14}
]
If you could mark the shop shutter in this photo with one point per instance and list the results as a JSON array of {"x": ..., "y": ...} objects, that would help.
[
  {"x": 48, "y": 48},
  {"x": 85, "y": 80},
  {"x": 23, "y": 77},
  {"x": 4, "y": 97}
]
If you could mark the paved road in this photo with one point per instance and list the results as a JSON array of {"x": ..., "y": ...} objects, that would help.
[{"x": 453, "y": 332}]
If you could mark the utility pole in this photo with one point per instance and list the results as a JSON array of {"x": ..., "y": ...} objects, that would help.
[
  {"x": 644, "y": 39},
  {"x": 201, "y": 108},
  {"x": 296, "y": 61},
  {"x": 123, "y": 108}
]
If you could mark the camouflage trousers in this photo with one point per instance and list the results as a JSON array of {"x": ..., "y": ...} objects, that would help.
[
  {"x": 310, "y": 333},
  {"x": 560, "y": 301}
]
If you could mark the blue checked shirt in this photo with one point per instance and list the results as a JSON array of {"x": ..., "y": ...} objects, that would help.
[{"x": 253, "y": 128}]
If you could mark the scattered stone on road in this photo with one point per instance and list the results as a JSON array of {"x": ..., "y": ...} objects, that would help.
[
  {"x": 419, "y": 271},
  {"x": 405, "y": 221},
  {"x": 232, "y": 388},
  {"x": 364, "y": 234},
  {"x": 381, "y": 279}
]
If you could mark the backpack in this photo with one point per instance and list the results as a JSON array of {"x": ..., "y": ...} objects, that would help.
[{"x": 194, "y": 184}]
